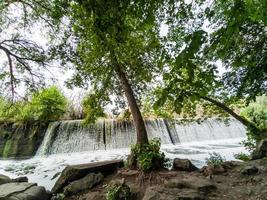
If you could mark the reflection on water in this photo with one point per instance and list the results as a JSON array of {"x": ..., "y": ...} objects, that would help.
[{"x": 43, "y": 169}]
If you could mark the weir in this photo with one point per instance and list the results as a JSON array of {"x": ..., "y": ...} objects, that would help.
[{"x": 73, "y": 136}]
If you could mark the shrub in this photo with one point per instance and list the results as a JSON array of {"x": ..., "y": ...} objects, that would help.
[
  {"x": 257, "y": 113},
  {"x": 242, "y": 156},
  {"x": 214, "y": 159},
  {"x": 119, "y": 192},
  {"x": 148, "y": 156},
  {"x": 48, "y": 104}
]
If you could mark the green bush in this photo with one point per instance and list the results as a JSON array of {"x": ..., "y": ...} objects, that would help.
[
  {"x": 242, "y": 156},
  {"x": 48, "y": 104},
  {"x": 257, "y": 113},
  {"x": 149, "y": 156},
  {"x": 119, "y": 192},
  {"x": 214, "y": 159}
]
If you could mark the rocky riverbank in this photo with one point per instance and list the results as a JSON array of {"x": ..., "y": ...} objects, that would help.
[
  {"x": 20, "y": 189},
  {"x": 230, "y": 180}
]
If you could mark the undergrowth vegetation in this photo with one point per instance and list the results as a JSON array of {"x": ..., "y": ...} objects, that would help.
[
  {"x": 148, "y": 156},
  {"x": 242, "y": 156},
  {"x": 118, "y": 192},
  {"x": 215, "y": 159}
]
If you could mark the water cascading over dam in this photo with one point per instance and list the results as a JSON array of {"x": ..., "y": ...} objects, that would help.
[{"x": 73, "y": 136}]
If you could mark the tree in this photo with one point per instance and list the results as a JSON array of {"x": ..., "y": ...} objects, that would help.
[
  {"x": 193, "y": 75},
  {"x": 118, "y": 49}
]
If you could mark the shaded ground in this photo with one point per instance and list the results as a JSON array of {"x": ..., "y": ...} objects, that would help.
[{"x": 236, "y": 181}]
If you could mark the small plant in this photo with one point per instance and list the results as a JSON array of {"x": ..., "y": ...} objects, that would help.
[
  {"x": 118, "y": 192},
  {"x": 149, "y": 156},
  {"x": 215, "y": 159},
  {"x": 242, "y": 156}
]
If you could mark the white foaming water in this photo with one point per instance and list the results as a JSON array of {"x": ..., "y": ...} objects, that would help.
[
  {"x": 73, "y": 136},
  {"x": 41, "y": 169}
]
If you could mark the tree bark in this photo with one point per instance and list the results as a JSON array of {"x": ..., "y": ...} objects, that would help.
[
  {"x": 241, "y": 119},
  {"x": 141, "y": 132}
]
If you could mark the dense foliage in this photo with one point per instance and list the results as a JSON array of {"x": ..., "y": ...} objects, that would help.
[
  {"x": 232, "y": 32},
  {"x": 46, "y": 105},
  {"x": 256, "y": 112}
]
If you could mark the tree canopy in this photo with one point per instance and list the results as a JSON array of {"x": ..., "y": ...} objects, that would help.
[{"x": 232, "y": 32}]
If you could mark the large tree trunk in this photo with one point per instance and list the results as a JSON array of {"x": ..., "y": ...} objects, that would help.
[
  {"x": 241, "y": 119},
  {"x": 137, "y": 117}
]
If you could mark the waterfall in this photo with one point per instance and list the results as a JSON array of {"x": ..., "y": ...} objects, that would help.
[
  {"x": 210, "y": 129},
  {"x": 48, "y": 139},
  {"x": 73, "y": 136}
]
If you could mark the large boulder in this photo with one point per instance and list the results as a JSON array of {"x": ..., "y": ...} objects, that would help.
[
  {"x": 213, "y": 170},
  {"x": 20, "y": 179},
  {"x": 200, "y": 184},
  {"x": 183, "y": 165},
  {"x": 4, "y": 179},
  {"x": 250, "y": 170},
  {"x": 22, "y": 191},
  {"x": 261, "y": 150},
  {"x": 82, "y": 184},
  {"x": 75, "y": 172}
]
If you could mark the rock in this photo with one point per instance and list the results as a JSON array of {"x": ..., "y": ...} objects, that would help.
[
  {"x": 86, "y": 182},
  {"x": 161, "y": 193},
  {"x": 231, "y": 164},
  {"x": 75, "y": 172},
  {"x": 4, "y": 179},
  {"x": 152, "y": 194},
  {"x": 22, "y": 191},
  {"x": 183, "y": 165},
  {"x": 20, "y": 179},
  {"x": 249, "y": 170},
  {"x": 261, "y": 150},
  {"x": 94, "y": 196},
  {"x": 213, "y": 170},
  {"x": 192, "y": 182}
]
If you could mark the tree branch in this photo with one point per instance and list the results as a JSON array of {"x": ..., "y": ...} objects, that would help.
[{"x": 241, "y": 119}]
